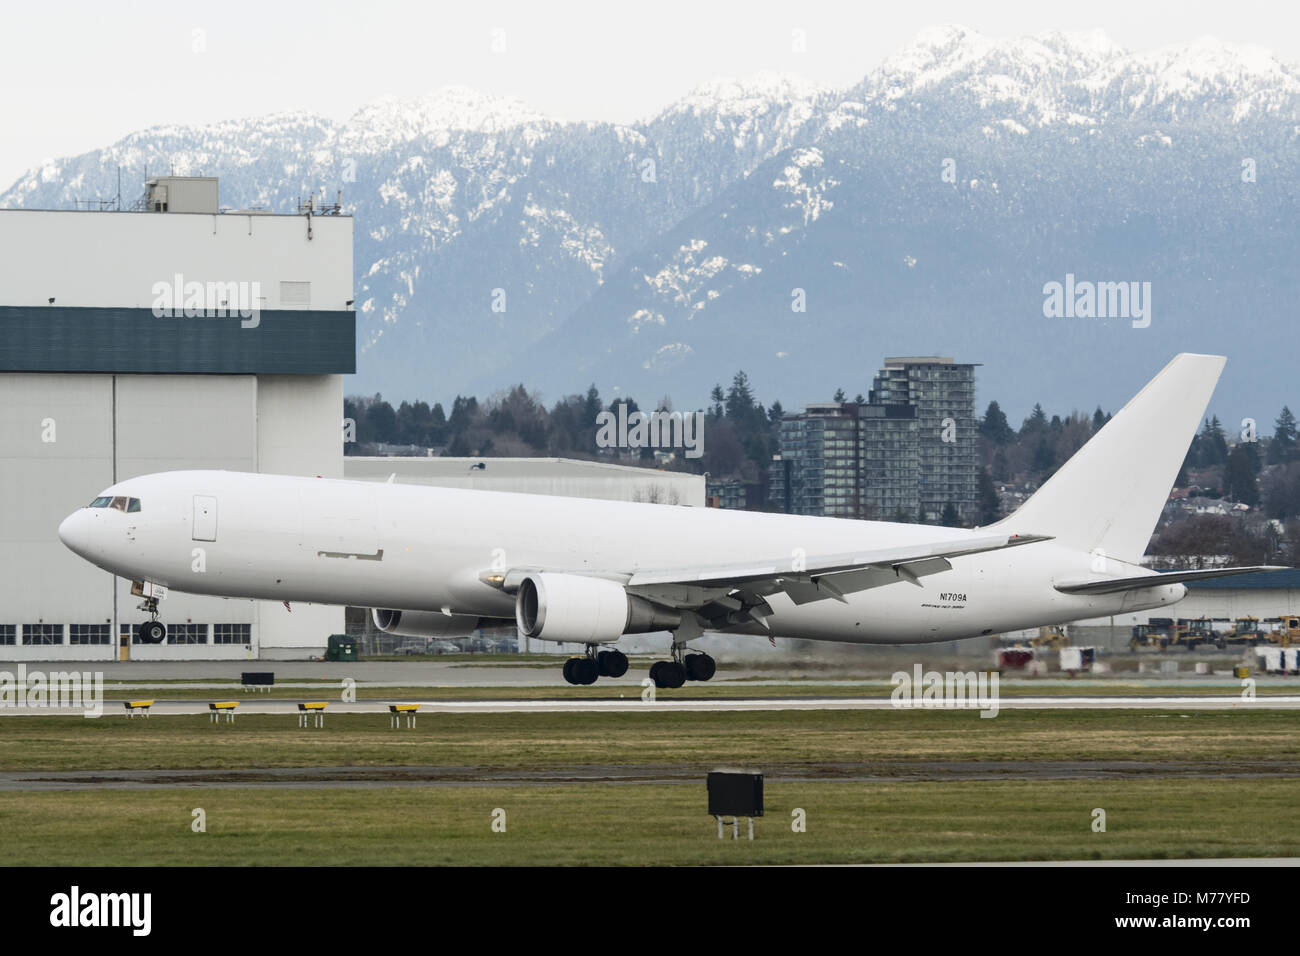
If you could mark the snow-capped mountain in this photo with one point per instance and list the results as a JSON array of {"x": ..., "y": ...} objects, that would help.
[{"x": 921, "y": 210}]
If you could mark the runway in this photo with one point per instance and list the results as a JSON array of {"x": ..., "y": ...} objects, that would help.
[{"x": 634, "y": 703}]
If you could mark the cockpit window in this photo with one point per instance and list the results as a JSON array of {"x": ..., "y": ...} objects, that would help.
[{"x": 120, "y": 503}]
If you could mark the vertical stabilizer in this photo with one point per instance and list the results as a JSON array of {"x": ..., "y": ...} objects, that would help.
[{"x": 1109, "y": 495}]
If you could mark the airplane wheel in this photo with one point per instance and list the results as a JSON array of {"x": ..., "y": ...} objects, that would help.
[
  {"x": 154, "y": 632},
  {"x": 700, "y": 667},
  {"x": 612, "y": 663},
  {"x": 585, "y": 670},
  {"x": 669, "y": 674},
  {"x": 568, "y": 670}
]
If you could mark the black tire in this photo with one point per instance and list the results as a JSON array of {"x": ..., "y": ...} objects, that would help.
[
  {"x": 586, "y": 670},
  {"x": 568, "y": 670},
  {"x": 612, "y": 663},
  {"x": 154, "y": 632},
  {"x": 670, "y": 675},
  {"x": 700, "y": 667}
]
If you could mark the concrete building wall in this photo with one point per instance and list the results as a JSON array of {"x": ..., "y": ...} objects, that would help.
[
  {"x": 55, "y": 453},
  {"x": 299, "y": 432},
  {"x": 75, "y": 415},
  {"x": 566, "y": 477},
  {"x": 109, "y": 428},
  {"x": 113, "y": 260}
]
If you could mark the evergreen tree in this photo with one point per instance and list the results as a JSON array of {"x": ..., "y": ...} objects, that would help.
[
  {"x": 994, "y": 426},
  {"x": 950, "y": 518},
  {"x": 437, "y": 425},
  {"x": 1001, "y": 470},
  {"x": 1098, "y": 420},
  {"x": 990, "y": 505},
  {"x": 1282, "y": 448},
  {"x": 1213, "y": 446},
  {"x": 1044, "y": 459},
  {"x": 1035, "y": 424},
  {"x": 381, "y": 421},
  {"x": 719, "y": 400},
  {"x": 740, "y": 400},
  {"x": 1239, "y": 477}
]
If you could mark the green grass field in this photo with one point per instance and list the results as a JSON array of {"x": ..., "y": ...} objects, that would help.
[
  {"x": 653, "y": 824},
  {"x": 794, "y": 739},
  {"x": 1197, "y": 784}
]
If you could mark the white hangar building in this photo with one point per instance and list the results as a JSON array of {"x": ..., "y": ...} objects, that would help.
[
  {"x": 179, "y": 336},
  {"x": 174, "y": 336}
]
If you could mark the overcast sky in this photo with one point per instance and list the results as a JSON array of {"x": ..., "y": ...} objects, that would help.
[{"x": 77, "y": 76}]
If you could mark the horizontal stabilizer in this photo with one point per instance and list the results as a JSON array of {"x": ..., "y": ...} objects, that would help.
[{"x": 1115, "y": 585}]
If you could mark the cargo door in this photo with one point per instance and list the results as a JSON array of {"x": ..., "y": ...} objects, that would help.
[{"x": 205, "y": 518}]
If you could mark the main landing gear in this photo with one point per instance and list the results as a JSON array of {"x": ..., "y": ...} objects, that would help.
[
  {"x": 152, "y": 631},
  {"x": 681, "y": 668},
  {"x": 672, "y": 673},
  {"x": 595, "y": 664}
]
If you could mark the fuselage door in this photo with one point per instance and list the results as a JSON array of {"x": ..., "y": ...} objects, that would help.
[{"x": 205, "y": 518}]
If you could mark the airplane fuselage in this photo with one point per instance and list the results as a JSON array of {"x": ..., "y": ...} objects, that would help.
[{"x": 414, "y": 547}]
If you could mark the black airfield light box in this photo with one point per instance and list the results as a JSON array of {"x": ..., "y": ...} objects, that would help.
[{"x": 735, "y": 793}]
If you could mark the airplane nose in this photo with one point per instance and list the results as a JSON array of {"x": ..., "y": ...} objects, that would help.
[{"x": 73, "y": 532}]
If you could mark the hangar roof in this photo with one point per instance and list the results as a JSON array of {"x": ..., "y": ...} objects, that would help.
[{"x": 1288, "y": 580}]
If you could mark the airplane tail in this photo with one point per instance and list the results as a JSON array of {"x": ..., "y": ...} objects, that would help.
[{"x": 1109, "y": 495}]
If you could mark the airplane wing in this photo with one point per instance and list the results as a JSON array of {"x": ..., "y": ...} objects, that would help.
[
  {"x": 736, "y": 593},
  {"x": 726, "y": 595},
  {"x": 1137, "y": 582}
]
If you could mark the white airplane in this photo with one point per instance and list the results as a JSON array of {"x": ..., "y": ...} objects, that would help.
[{"x": 440, "y": 562}]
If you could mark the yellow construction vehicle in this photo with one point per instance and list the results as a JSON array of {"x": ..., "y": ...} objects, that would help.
[
  {"x": 1193, "y": 632},
  {"x": 1157, "y": 634},
  {"x": 1052, "y": 636},
  {"x": 1245, "y": 630},
  {"x": 1286, "y": 633}
]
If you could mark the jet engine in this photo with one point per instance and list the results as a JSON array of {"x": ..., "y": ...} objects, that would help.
[
  {"x": 428, "y": 623},
  {"x": 573, "y": 607}
]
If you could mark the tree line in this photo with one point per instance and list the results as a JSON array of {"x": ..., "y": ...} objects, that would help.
[{"x": 741, "y": 437}]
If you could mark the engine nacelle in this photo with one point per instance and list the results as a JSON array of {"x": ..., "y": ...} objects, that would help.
[
  {"x": 428, "y": 623},
  {"x": 573, "y": 607}
]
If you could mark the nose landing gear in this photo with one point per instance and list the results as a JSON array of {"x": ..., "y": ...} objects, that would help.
[{"x": 152, "y": 631}]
